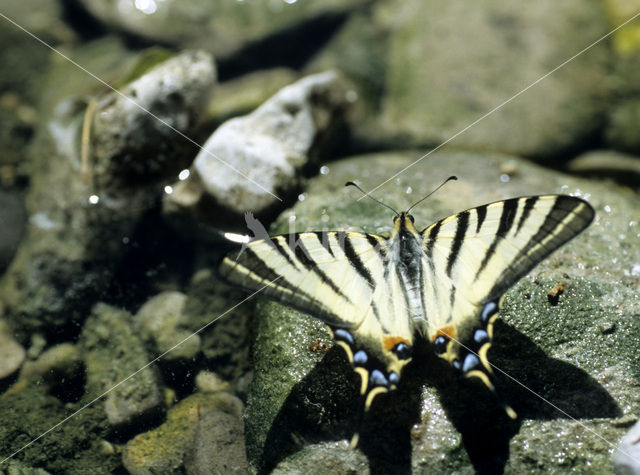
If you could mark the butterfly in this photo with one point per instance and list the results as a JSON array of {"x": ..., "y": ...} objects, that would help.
[{"x": 444, "y": 283}]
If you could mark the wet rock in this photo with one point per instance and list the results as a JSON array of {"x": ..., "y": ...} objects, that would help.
[
  {"x": 441, "y": 78},
  {"x": 621, "y": 131},
  {"x": 222, "y": 28},
  {"x": 218, "y": 446},
  {"x": 249, "y": 161},
  {"x": 627, "y": 458},
  {"x": 81, "y": 215},
  {"x": 18, "y": 468},
  {"x": 38, "y": 343},
  {"x": 161, "y": 320},
  {"x": 42, "y": 18},
  {"x": 624, "y": 110},
  {"x": 22, "y": 62},
  {"x": 107, "y": 56},
  {"x": 113, "y": 351},
  {"x": 209, "y": 382},
  {"x": 135, "y": 142},
  {"x": 12, "y": 354},
  {"x": 241, "y": 95},
  {"x": 56, "y": 368},
  {"x": 300, "y": 401},
  {"x": 358, "y": 50},
  {"x": 607, "y": 163},
  {"x": 325, "y": 457},
  {"x": 27, "y": 413},
  {"x": 163, "y": 450}
]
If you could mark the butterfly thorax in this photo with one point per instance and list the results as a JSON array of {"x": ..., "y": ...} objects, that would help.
[{"x": 406, "y": 258}]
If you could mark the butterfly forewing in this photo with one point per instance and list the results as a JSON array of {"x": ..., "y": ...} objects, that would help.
[
  {"x": 473, "y": 257},
  {"x": 308, "y": 271}
]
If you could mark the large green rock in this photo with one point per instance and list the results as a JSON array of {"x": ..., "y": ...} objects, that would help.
[
  {"x": 450, "y": 63},
  {"x": 572, "y": 364}
]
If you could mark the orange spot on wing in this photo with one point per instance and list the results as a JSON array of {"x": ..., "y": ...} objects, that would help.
[
  {"x": 448, "y": 332},
  {"x": 391, "y": 341}
]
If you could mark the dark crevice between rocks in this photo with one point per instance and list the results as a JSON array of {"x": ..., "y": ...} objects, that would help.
[
  {"x": 70, "y": 389},
  {"x": 7, "y": 382},
  {"x": 158, "y": 258},
  {"x": 90, "y": 28},
  {"x": 83, "y": 23},
  {"x": 180, "y": 375},
  {"x": 291, "y": 48},
  {"x": 140, "y": 423},
  {"x": 558, "y": 160}
]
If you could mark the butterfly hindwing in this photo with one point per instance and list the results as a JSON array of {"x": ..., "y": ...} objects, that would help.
[{"x": 474, "y": 256}]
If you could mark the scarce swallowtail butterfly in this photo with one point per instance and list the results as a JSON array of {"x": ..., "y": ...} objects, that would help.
[{"x": 444, "y": 283}]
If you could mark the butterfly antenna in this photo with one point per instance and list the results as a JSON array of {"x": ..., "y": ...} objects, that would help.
[
  {"x": 350, "y": 183},
  {"x": 453, "y": 177}
]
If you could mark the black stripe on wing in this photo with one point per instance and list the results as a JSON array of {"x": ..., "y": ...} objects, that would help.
[
  {"x": 431, "y": 240},
  {"x": 277, "y": 242},
  {"x": 263, "y": 271},
  {"x": 276, "y": 286},
  {"x": 509, "y": 209},
  {"x": 347, "y": 247},
  {"x": 323, "y": 238},
  {"x": 461, "y": 230},
  {"x": 302, "y": 254},
  {"x": 428, "y": 250},
  {"x": 481, "y": 211},
  {"x": 529, "y": 203},
  {"x": 535, "y": 251}
]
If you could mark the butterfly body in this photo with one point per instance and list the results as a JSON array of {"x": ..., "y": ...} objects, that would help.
[{"x": 443, "y": 283}]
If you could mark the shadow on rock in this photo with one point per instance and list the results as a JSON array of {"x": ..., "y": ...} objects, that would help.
[
  {"x": 569, "y": 391},
  {"x": 324, "y": 405},
  {"x": 479, "y": 416},
  {"x": 321, "y": 407}
]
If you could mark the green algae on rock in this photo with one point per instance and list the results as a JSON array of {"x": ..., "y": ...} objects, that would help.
[
  {"x": 164, "y": 448},
  {"x": 76, "y": 448}
]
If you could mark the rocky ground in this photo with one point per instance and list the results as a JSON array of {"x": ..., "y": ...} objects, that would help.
[{"x": 155, "y": 126}]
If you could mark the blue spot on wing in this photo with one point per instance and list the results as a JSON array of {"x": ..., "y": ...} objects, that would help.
[
  {"x": 344, "y": 335},
  {"x": 470, "y": 362},
  {"x": 377, "y": 378},
  {"x": 489, "y": 309},
  {"x": 360, "y": 357},
  {"x": 480, "y": 336}
]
